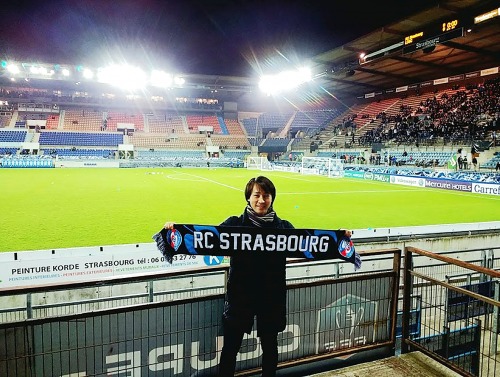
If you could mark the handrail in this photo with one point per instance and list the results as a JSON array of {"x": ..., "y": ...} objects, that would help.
[{"x": 456, "y": 262}]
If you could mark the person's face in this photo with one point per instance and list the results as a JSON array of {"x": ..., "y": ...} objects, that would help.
[{"x": 260, "y": 201}]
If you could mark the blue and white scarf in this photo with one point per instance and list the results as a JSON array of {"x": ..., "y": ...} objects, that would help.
[{"x": 313, "y": 244}]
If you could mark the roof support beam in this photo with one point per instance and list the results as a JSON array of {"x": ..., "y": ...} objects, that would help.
[
  {"x": 479, "y": 51},
  {"x": 438, "y": 67}
]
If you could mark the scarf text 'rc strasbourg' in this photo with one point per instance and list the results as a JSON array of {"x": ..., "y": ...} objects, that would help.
[{"x": 312, "y": 244}]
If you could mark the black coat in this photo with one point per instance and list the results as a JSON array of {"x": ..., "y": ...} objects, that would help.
[{"x": 257, "y": 285}]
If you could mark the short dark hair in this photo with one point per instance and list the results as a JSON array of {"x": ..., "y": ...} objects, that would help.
[{"x": 264, "y": 183}]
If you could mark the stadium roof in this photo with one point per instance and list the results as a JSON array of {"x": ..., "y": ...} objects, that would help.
[
  {"x": 476, "y": 50},
  {"x": 340, "y": 73}
]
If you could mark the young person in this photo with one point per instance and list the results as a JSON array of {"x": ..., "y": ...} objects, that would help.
[{"x": 256, "y": 285}]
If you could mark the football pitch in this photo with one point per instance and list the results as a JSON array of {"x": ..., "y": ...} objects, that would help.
[{"x": 63, "y": 208}]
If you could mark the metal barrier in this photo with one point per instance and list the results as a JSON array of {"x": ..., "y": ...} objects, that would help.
[
  {"x": 153, "y": 334},
  {"x": 110, "y": 293},
  {"x": 459, "y": 321}
]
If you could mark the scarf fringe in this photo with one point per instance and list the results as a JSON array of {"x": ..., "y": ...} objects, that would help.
[
  {"x": 357, "y": 261},
  {"x": 162, "y": 245}
]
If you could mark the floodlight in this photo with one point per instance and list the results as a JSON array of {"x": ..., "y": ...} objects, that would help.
[
  {"x": 179, "y": 80},
  {"x": 285, "y": 80},
  {"x": 123, "y": 76},
  {"x": 87, "y": 73},
  {"x": 13, "y": 68},
  {"x": 161, "y": 79},
  {"x": 43, "y": 71},
  {"x": 65, "y": 72}
]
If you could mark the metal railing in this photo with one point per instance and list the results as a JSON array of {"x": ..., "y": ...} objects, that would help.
[
  {"x": 459, "y": 320},
  {"x": 134, "y": 323},
  {"x": 163, "y": 330}
]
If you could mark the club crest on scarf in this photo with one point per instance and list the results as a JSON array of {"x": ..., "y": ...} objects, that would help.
[
  {"x": 174, "y": 238},
  {"x": 346, "y": 247}
]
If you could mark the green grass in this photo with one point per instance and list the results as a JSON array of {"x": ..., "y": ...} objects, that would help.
[{"x": 60, "y": 208}]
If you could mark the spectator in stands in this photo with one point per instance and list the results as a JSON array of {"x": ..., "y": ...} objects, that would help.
[{"x": 256, "y": 286}]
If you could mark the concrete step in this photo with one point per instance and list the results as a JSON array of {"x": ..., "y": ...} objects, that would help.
[{"x": 413, "y": 364}]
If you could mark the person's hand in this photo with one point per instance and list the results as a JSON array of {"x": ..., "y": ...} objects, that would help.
[
  {"x": 348, "y": 233},
  {"x": 169, "y": 225}
]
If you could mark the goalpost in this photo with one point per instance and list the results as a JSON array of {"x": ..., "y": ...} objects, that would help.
[
  {"x": 258, "y": 163},
  {"x": 331, "y": 167}
]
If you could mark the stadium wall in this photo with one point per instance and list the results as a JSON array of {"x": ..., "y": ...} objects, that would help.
[
  {"x": 87, "y": 164},
  {"x": 439, "y": 183},
  {"x": 34, "y": 268}
]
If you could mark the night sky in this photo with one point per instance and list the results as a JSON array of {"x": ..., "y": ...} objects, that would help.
[{"x": 235, "y": 38}]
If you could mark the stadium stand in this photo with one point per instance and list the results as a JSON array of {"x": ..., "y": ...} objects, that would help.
[
  {"x": 117, "y": 120},
  {"x": 402, "y": 124},
  {"x": 12, "y": 136},
  {"x": 273, "y": 123},
  {"x": 80, "y": 138},
  {"x": 168, "y": 123},
  {"x": 420, "y": 130},
  {"x": 82, "y": 120},
  {"x": 250, "y": 126},
  {"x": 195, "y": 121},
  {"x": 234, "y": 127}
]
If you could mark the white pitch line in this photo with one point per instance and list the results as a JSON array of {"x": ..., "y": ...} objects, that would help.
[
  {"x": 297, "y": 179},
  {"x": 217, "y": 183},
  {"x": 176, "y": 177}
]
